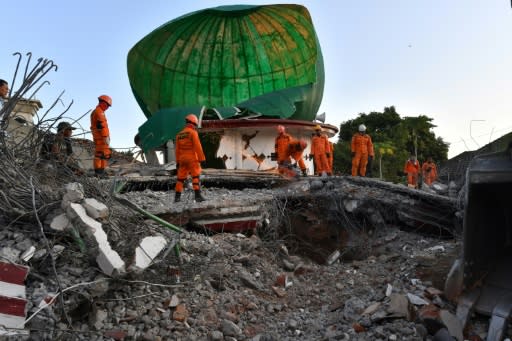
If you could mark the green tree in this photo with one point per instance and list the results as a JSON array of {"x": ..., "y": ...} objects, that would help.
[{"x": 394, "y": 139}]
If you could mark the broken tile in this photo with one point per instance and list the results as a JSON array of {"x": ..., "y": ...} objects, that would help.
[{"x": 416, "y": 300}]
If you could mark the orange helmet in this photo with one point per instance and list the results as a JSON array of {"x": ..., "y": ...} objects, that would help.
[
  {"x": 317, "y": 127},
  {"x": 303, "y": 143},
  {"x": 106, "y": 99},
  {"x": 280, "y": 129},
  {"x": 191, "y": 118}
]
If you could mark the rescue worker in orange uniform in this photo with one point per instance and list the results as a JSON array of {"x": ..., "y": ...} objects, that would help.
[
  {"x": 362, "y": 151},
  {"x": 189, "y": 155},
  {"x": 295, "y": 151},
  {"x": 412, "y": 169},
  {"x": 101, "y": 135},
  {"x": 281, "y": 149},
  {"x": 429, "y": 171},
  {"x": 320, "y": 151}
]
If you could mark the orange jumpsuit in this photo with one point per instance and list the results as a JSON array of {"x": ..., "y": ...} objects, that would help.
[
  {"x": 412, "y": 168},
  {"x": 319, "y": 149},
  {"x": 189, "y": 155},
  {"x": 362, "y": 147},
  {"x": 429, "y": 172},
  {"x": 295, "y": 151},
  {"x": 281, "y": 148},
  {"x": 100, "y": 134}
]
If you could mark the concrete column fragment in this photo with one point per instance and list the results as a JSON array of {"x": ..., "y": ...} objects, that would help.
[
  {"x": 74, "y": 193},
  {"x": 95, "y": 209},
  {"x": 108, "y": 259},
  {"x": 60, "y": 222},
  {"x": 147, "y": 250}
]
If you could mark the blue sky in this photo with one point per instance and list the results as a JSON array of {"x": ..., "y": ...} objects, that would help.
[{"x": 450, "y": 60}]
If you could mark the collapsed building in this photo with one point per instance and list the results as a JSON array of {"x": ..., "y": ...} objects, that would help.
[{"x": 317, "y": 258}]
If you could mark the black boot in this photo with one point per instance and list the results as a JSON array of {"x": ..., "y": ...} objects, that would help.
[
  {"x": 100, "y": 173},
  {"x": 199, "y": 197},
  {"x": 177, "y": 197}
]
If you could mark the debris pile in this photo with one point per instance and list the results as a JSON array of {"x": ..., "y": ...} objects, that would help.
[
  {"x": 335, "y": 258},
  {"x": 383, "y": 281}
]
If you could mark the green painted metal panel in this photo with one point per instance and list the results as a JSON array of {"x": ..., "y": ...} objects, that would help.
[{"x": 230, "y": 56}]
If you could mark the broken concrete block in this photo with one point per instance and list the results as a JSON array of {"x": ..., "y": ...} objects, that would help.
[
  {"x": 350, "y": 205},
  {"x": 147, "y": 250},
  {"x": 91, "y": 227},
  {"x": 28, "y": 254},
  {"x": 452, "y": 323},
  {"x": 74, "y": 193},
  {"x": 174, "y": 301},
  {"x": 95, "y": 209},
  {"x": 60, "y": 222},
  {"x": 10, "y": 254},
  {"x": 316, "y": 185},
  {"x": 109, "y": 261},
  {"x": 97, "y": 317},
  {"x": 371, "y": 309},
  {"x": 333, "y": 257},
  {"x": 399, "y": 305},
  {"x": 57, "y": 251},
  {"x": 249, "y": 281},
  {"x": 389, "y": 290},
  {"x": 416, "y": 300},
  {"x": 229, "y": 328}
]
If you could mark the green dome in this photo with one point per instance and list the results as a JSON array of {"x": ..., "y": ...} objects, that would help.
[{"x": 229, "y": 56}]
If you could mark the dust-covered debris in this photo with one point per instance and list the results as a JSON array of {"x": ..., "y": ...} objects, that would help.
[{"x": 390, "y": 250}]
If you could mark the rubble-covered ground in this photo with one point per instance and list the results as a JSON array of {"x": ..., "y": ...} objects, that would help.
[
  {"x": 389, "y": 250},
  {"x": 378, "y": 285},
  {"x": 236, "y": 287}
]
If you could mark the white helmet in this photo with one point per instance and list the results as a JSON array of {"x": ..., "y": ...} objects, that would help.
[{"x": 362, "y": 128}]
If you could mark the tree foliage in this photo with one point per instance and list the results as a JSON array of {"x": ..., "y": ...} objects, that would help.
[{"x": 394, "y": 139}]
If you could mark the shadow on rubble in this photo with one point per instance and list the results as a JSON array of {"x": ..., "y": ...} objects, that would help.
[{"x": 323, "y": 225}]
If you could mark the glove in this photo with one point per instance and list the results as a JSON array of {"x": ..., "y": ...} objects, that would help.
[
  {"x": 370, "y": 158},
  {"x": 273, "y": 156},
  {"x": 203, "y": 164},
  {"x": 177, "y": 165},
  {"x": 311, "y": 156},
  {"x": 328, "y": 155},
  {"x": 107, "y": 141},
  {"x": 353, "y": 154}
]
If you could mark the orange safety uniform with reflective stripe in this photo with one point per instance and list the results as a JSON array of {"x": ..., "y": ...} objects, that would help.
[
  {"x": 100, "y": 132},
  {"x": 320, "y": 148},
  {"x": 362, "y": 146},
  {"x": 429, "y": 172},
  {"x": 295, "y": 151},
  {"x": 189, "y": 154},
  {"x": 281, "y": 147},
  {"x": 412, "y": 169}
]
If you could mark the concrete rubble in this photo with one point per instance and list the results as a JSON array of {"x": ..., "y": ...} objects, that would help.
[{"x": 327, "y": 259}]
